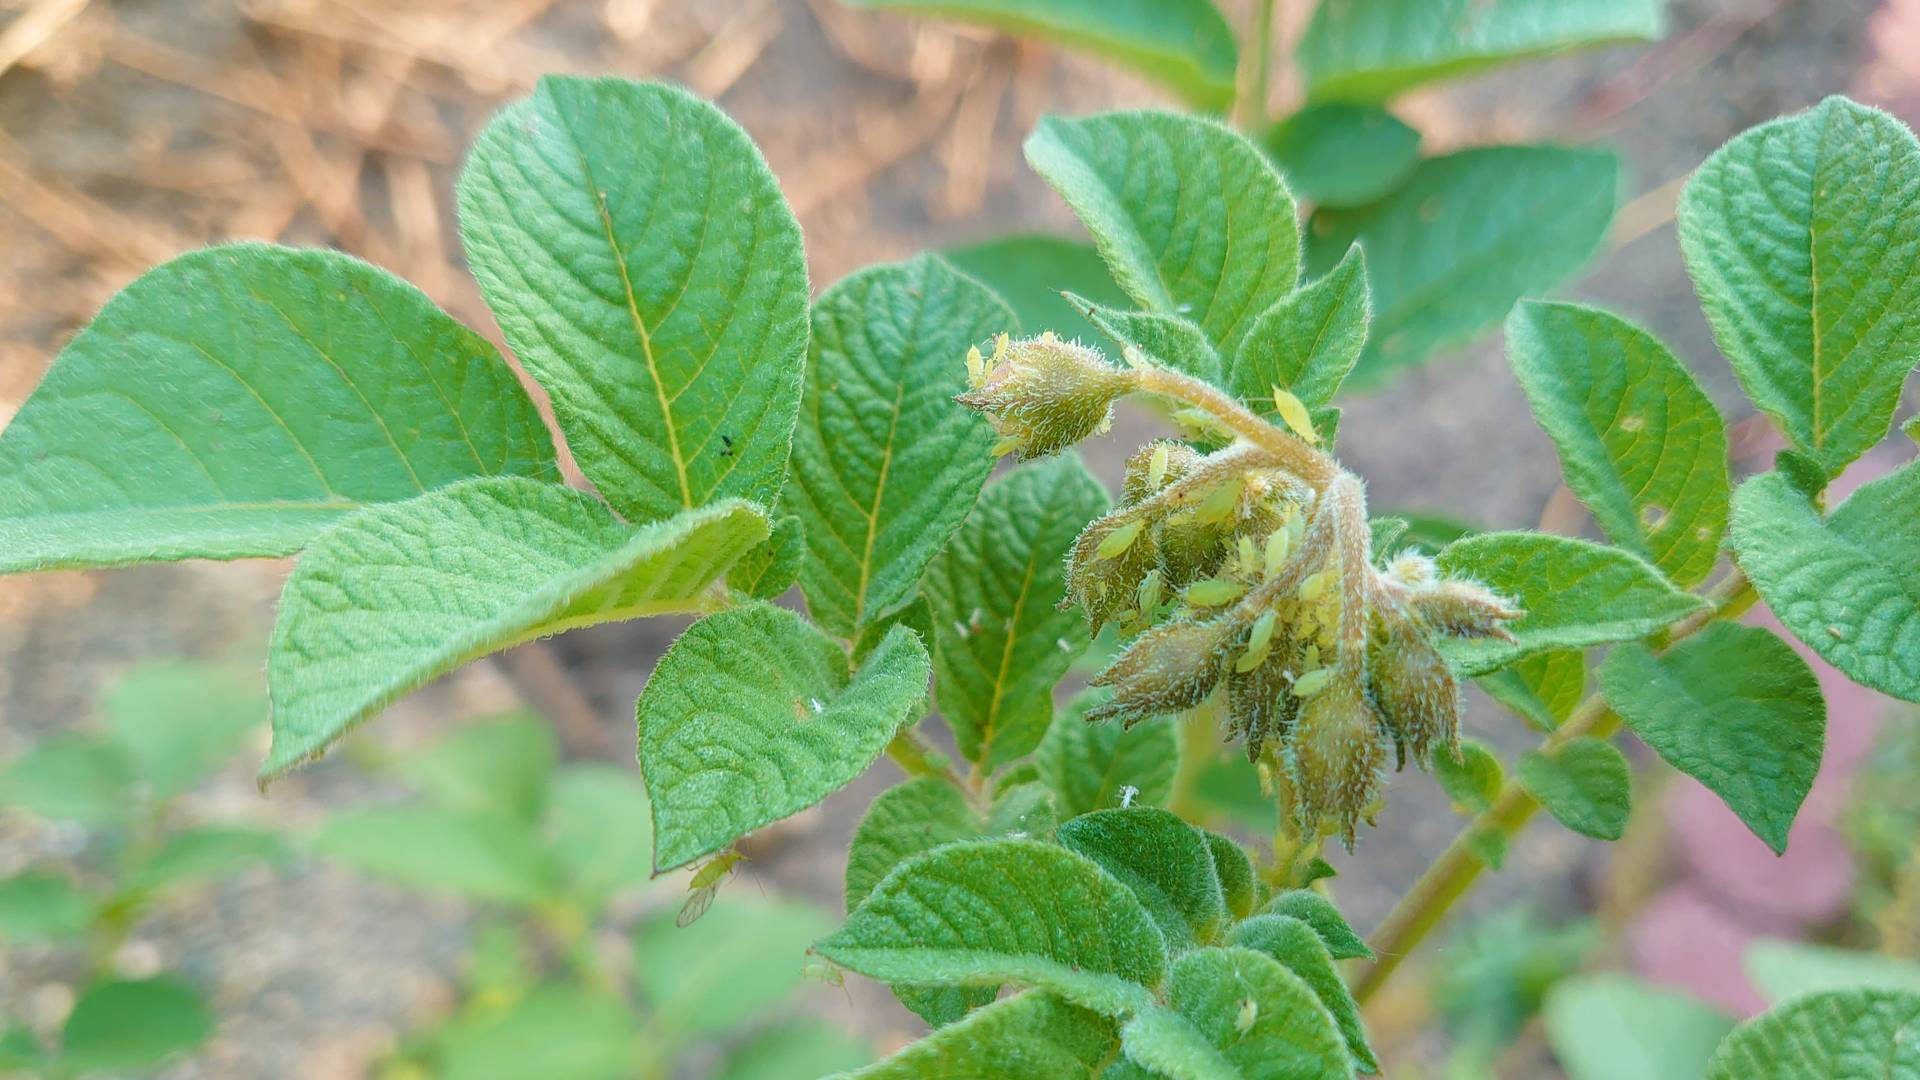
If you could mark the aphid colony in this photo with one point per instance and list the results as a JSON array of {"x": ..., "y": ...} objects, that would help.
[{"x": 1245, "y": 577}]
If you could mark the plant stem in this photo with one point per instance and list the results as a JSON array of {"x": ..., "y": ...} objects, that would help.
[
  {"x": 1253, "y": 101},
  {"x": 1295, "y": 456},
  {"x": 1449, "y": 877}
]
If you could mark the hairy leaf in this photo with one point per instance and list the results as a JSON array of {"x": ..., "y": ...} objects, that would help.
[
  {"x": 1166, "y": 863},
  {"x": 1034, "y": 1034},
  {"x": 1170, "y": 341},
  {"x": 1089, "y": 765},
  {"x": 1543, "y": 688},
  {"x": 1844, "y": 585},
  {"x": 1006, "y": 911},
  {"x": 398, "y": 595},
  {"x": 645, "y": 269},
  {"x": 754, "y": 715},
  {"x": 1615, "y": 1027},
  {"x": 481, "y": 854},
  {"x": 1735, "y": 708},
  {"x": 1308, "y": 341},
  {"x": 1585, "y": 784},
  {"x": 907, "y": 819},
  {"x": 1370, "y": 50},
  {"x": 234, "y": 401},
  {"x": 1574, "y": 594},
  {"x": 999, "y": 641},
  {"x": 1300, "y": 950},
  {"x": 1451, "y": 249},
  {"x": 770, "y": 569},
  {"x": 1868, "y": 1034},
  {"x": 1339, "y": 154},
  {"x": 1472, "y": 782},
  {"x": 1185, "y": 44},
  {"x": 1031, "y": 270},
  {"x": 1189, "y": 216},
  {"x": 1640, "y": 442},
  {"x": 886, "y": 464},
  {"x": 1236, "y": 1013},
  {"x": 1801, "y": 239},
  {"x": 1318, "y": 912},
  {"x": 1242, "y": 891}
]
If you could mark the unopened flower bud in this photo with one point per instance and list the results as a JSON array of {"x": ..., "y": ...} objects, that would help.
[
  {"x": 1169, "y": 668},
  {"x": 1043, "y": 394},
  {"x": 1261, "y": 706},
  {"x": 1154, "y": 466},
  {"x": 1464, "y": 609},
  {"x": 1106, "y": 565},
  {"x": 1336, "y": 756},
  {"x": 1418, "y": 696}
]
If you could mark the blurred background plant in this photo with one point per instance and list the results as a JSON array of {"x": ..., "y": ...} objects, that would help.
[{"x": 135, "y": 129}]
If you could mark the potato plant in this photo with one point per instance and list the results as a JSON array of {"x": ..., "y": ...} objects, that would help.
[
  {"x": 1035, "y": 900},
  {"x": 112, "y": 789}
]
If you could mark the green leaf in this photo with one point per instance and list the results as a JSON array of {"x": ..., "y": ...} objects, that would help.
[
  {"x": 1574, "y": 594},
  {"x": 1000, "y": 643},
  {"x": 770, "y": 569},
  {"x": 1025, "y": 809},
  {"x": 1467, "y": 234},
  {"x": 178, "y": 722},
  {"x": 70, "y": 777},
  {"x": 1238, "y": 885},
  {"x": 602, "y": 830},
  {"x": 399, "y": 595},
  {"x": 1735, "y": 708},
  {"x": 1845, "y": 586},
  {"x": 1543, "y": 688},
  {"x": 503, "y": 764},
  {"x": 1801, "y": 241},
  {"x": 38, "y": 906},
  {"x": 134, "y": 1024},
  {"x": 1318, "y": 912},
  {"x": 1030, "y": 271},
  {"x": 1236, "y": 1013},
  {"x": 794, "y": 1048},
  {"x": 486, "y": 856},
  {"x": 1189, "y": 216},
  {"x": 195, "y": 855},
  {"x": 1339, "y": 154},
  {"x": 744, "y": 956},
  {"x": 1308, "y": 341},
  {"x": 1300, "y": 950},
  {"x": 644, "y": 267},
  {"x": 1184, "y": 44},
  {"x": 907, "y": 819},
  {"x": 1088, "y": 765},
  {"x": 1585, "y": 784},
  {"x": 1170, "y": 341},
  {"x": 1370, "y": 50},
  {"x": 557, "y": 1032},
  {"x": 1164, "y": 861},
  {"x": 234, "y": 401},
  {"x": 1006, "y": 911},
  {"x": 1640, "y": 443},
  {"x": 1472, "y": 782},
  {"x": 1782, "y": 970},
  {"x": 1851, "y": 1033},
  {"x": 886, "y": 464},
  {"x": 754, "y": 715},
  {"x": 1034, "y": 1034},
  {"x": 1615, "y": 1027}
]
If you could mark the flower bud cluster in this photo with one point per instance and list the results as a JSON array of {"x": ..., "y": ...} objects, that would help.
[{"x": 1248, "y": 588}]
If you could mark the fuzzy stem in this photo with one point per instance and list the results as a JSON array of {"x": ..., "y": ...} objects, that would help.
[
  {"x": 1313, "y": 467},
  {"x": 1451, "y": 875}
]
